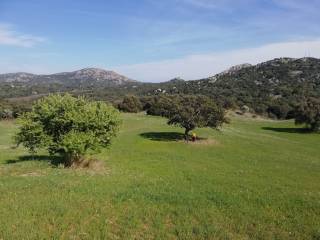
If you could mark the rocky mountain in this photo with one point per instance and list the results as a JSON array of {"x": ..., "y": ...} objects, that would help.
[
  {"x": 278, "y": 78},
  {"x": 235, "y": 68},
  {"x": 17, "y": 77},
  {"x": 267, "y": 76},
  {"x": 81, "y": 78}
]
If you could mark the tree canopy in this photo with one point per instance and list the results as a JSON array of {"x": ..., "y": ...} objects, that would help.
[
  {"x": 68, "y": 126},
  {"x": 308, "y": 112},
  {"x": 130, "y": 103},
  {"x": 190, "y": 112}
]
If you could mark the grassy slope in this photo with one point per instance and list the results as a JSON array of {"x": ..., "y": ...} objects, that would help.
[{"x": 254, "y": 183}]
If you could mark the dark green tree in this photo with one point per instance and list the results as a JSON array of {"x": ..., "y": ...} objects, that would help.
[
  {"x": 158, "y": 105},
  {"x": 308, "y": 112},
  {"x": 190, "y": 112},
  {"x": 71, "y": 127},
  {"x": 130, "y": 104}
]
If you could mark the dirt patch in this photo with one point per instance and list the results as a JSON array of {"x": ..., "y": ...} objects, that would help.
[
  {"x": 204, "y": 142},
  {"x": 92, "y": 166},
  {"x": 32, "y": 174}
]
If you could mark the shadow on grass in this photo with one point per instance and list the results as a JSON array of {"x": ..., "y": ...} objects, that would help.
[
  {"x": 288, "y": 130},
  {"x": 165, "y": 136},
  {"x": 54, "y": 160}
]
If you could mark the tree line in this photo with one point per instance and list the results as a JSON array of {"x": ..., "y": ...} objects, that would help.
[
  {"x": 75, "y": 126},
  {"x": 305, "y": 112}
]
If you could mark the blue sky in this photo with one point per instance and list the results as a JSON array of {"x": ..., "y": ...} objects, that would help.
[{"x": 154, "y": 40}]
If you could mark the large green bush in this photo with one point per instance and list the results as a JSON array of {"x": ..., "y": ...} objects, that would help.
[{"x": 71, "y": 127}]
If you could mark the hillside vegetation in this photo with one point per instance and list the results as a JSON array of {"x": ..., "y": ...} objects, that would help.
[
  {"x": 272, "y": 88},
  {"x": 254, "y": 179}
]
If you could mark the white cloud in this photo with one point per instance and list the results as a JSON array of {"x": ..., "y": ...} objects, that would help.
[
  {"x": 204, "y": 65},
  {"x": 9, "y": 37}
]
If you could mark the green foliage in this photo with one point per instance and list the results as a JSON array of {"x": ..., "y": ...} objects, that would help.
[
  {"x": 191, "y": 112},
  {"x": 130, "y": 104},
  {"x": 31, "y": 133},
  {"x": 271, "y": 89},
  {"x": 157, "y": 106},
  {"x": 69, "y": 126},
  {"x": 308, "y": 112},
  {"x": 279, "y": 110},
  {"x": 188, "y": 112}
]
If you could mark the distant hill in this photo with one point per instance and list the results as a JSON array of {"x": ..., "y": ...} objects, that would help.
[
  {"x": 273, "y": 87},
  {"x": 279, "y": 80},
  {"x": 77, "y": 79},
  {"x": 235, "y": 69},
  {"x": 268, "y": 77}
]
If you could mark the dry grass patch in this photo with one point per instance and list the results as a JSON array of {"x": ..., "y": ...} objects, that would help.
[
  {"x": 91, "y": 165},
  {"x": 32, "y": 174},
  {"x": 204, "y": 142}
]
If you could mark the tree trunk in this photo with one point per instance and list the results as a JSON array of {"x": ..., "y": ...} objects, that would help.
[
  {"x": 67, "y": 160},
  {"x": 186, "y": 134}
]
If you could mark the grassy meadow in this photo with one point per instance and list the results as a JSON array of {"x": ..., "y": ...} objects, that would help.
[{"x": 254, "y": 179}]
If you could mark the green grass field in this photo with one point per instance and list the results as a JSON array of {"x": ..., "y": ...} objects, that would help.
[{"x": 253, "y": 180}]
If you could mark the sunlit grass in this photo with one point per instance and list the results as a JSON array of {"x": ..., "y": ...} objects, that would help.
[{"x": 255, "y": 179}]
